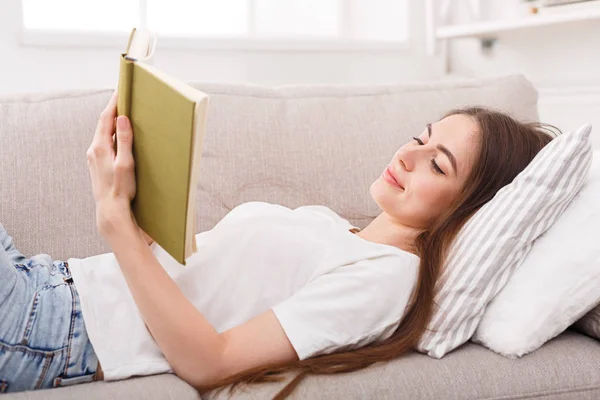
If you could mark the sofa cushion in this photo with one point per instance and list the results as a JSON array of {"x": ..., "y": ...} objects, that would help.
[
  {"x": 155, "y": 387},
  {"x": 325, "y": 144},
  {"x": 565, "y": 368},
  {"x": 46, "y": 202},
  {"x": 289, "y": 145}
]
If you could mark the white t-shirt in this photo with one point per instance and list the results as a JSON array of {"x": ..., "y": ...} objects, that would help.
[{"x": 328, "y": 287}]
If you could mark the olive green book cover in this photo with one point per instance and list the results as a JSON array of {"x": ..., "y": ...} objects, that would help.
[{"x": 168, "y": 118}]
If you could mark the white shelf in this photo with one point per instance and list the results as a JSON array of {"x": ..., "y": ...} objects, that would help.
[{"x": 489, "y": 29}]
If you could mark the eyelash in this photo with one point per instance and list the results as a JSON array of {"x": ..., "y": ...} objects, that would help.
[{"x": 434, "y": 165}]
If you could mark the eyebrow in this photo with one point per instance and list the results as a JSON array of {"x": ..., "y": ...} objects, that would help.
[{"x": 444, "y": 150}]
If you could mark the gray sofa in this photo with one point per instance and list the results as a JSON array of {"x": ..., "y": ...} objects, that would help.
[{"x": 293, "y": 146}]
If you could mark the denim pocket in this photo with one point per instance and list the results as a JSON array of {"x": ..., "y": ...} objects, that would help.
[
  {"x": 3, "y": 386},
  {"x": 49, "y": 318}
]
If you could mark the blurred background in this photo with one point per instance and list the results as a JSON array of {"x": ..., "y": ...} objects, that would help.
[{"x": 48, "y": 45}]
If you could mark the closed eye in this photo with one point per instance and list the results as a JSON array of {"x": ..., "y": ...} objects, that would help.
[
  {"x": 434, "y": 164},
  {"x": 436, "y": 167}
]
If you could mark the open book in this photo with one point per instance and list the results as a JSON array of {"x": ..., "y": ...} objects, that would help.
[{"x": 168, "y": 118}]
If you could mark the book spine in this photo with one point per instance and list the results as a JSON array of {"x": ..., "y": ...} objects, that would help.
[{"x": 124, "y": 88}]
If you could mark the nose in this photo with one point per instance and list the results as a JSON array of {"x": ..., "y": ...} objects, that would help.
[{"x": 407, "y": 158}]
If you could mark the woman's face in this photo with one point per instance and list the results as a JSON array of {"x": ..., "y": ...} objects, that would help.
[{"x": 429, "y": 171}]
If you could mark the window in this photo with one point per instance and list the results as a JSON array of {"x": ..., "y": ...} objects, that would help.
[{"x": 377, "y": 22}]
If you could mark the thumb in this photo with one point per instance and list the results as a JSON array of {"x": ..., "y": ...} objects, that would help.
[{"x": 124, "y": 140}]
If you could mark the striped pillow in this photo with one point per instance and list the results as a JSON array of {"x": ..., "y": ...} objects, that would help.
[
  {"x": 495, "y": 241},
  {"x": 590, "y": 323}
]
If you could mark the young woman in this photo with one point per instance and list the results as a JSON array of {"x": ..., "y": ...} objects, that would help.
[{"x": 270, "y": 289}]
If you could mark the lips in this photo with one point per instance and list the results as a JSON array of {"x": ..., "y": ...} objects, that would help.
[{"x": 391, "y": 177}]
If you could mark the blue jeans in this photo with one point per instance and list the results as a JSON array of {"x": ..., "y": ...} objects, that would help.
[{"x": 43, "y": 340}]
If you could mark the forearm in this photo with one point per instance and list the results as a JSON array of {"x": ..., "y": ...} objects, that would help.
[{"x": 192, "y": 346}]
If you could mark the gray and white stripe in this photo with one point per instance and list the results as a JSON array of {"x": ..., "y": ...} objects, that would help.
[{"x": 498, "y": 237}]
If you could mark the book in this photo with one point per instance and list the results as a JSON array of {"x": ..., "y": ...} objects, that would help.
[{"x": 168, "y": 118}]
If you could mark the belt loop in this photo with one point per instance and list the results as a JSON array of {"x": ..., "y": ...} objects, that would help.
[{"x": 67, "y": 279}]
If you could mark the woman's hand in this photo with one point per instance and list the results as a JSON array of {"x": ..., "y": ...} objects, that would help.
[{"x": 112, "y": 175}]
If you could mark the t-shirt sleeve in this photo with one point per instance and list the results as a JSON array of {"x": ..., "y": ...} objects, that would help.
[{"x": 352, "y": 305}]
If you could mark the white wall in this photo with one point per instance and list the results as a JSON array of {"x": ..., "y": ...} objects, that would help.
[
  {"x": 30, "y": 69},
  {"x": 563, "y": 62}
]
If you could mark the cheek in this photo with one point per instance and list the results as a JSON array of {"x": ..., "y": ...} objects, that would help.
[{"x": 433, "y": 194}]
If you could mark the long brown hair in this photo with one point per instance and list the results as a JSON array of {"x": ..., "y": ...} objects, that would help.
[{"x": 506, "y": 146}]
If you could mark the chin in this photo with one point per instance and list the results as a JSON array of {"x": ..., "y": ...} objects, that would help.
[
  {"x": 394, "y": 204},
  {"x": 385, "y": 197}
]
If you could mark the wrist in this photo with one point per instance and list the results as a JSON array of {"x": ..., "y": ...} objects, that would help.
[
  {"x": 146, "y": 237},
  {"x": 113, "y": 218}
]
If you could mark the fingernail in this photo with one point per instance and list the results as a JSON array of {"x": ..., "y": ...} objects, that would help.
[{"x": 122, "y": 122}]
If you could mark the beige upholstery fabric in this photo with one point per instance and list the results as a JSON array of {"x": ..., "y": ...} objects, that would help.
[
  {"x": 325, "y": 145},
  {"x": 566, "y": 368},
  {"x": 46, "y": 202},
  {"x": 291, "y": 145},
  {"x": 157, "y": 387}
]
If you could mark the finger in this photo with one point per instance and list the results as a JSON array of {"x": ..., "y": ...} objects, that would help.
[
  {"x": 124, "y": 156},
  {"x": 112, "y": 103},
  {"x": 106, "y": 124}
]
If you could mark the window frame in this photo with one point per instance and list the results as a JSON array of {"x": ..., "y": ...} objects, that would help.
[{"x": 98, "y": 39}]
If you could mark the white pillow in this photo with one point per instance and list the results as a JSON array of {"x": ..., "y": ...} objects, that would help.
[
  {"x": 496, "y": 240},
  {"x": 558, "y": 282}
]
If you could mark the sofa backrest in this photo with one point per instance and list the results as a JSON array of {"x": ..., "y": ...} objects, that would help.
[{"x": 288, "y": 145}]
